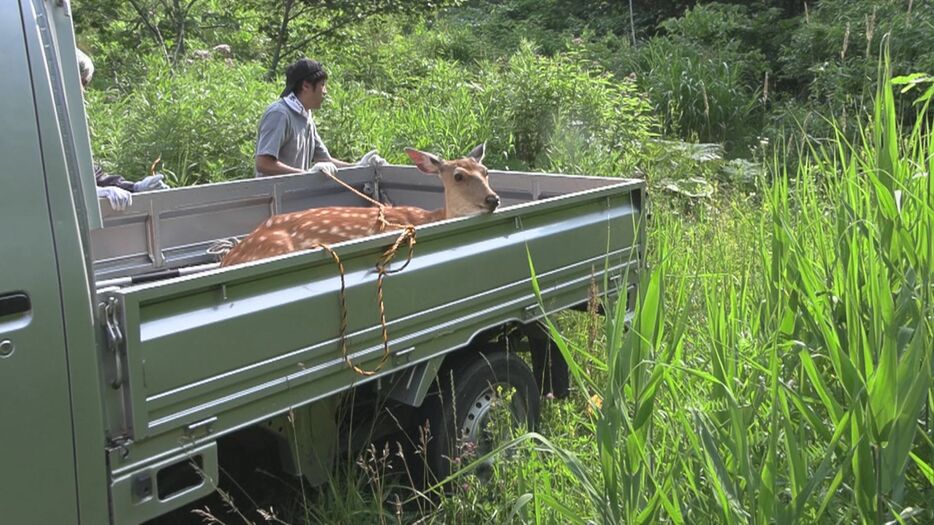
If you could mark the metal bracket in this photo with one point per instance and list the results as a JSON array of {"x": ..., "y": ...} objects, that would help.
[
  {"x": 402, "y": 356},
  {"x": 114, "y": 339},
  {"x": 122, "y": 445},
  {"x": 532, "y": 311},
  {"x": 206, "y": 424},
  {"x": 373, "y": 190}
]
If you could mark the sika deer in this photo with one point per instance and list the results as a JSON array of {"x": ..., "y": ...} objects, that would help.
[{"x": 466, "y": 192}]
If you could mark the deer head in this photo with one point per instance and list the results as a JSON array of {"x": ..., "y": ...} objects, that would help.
[
  {"x": 466, "y": 181},
  {"x": 466, "y": 192}
]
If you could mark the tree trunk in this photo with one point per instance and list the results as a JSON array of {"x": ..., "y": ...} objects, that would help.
[
  {"x": 179, "y": 16},
  {"x": 282, "y": 36}
]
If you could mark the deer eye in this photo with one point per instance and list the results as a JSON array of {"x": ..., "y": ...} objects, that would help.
[{"x": 458, "y": 176}]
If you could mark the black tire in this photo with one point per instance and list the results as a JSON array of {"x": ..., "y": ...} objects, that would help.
[
  {"x": 459, "y": 430},
  {"x": 550, "y": 368}
]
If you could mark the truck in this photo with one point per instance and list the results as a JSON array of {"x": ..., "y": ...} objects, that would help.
[{"x": 127, "y": 356}]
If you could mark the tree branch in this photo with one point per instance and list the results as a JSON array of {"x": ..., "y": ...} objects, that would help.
[
  {"x": 336, "y": 25},
  {"x": 153, "y": 28}
]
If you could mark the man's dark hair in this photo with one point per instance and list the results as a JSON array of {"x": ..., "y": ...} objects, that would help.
[{"x": 302, "y": 70}]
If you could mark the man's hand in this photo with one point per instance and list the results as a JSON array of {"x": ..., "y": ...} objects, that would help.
[
  {"x": 119, "y": 198},
  {"x": 326, "y": 167},
  {"x": 372, "y": 159},
  {"x": 152, "y": 182}
]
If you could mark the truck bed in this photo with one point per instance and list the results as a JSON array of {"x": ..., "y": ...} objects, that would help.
[{"x": 198, "y": 356}]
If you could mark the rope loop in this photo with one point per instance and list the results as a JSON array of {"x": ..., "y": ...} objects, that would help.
[{"x": 406, "y": 236}]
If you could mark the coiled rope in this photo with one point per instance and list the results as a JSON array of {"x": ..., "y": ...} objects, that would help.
[{"x": 406, "y": 236}]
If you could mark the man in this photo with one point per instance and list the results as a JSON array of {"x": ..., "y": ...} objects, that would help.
[
  {"x": 288, "y": 140},
  {"x": 117, "y": 190}
]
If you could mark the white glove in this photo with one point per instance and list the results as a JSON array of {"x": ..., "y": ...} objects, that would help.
[
  {"x": 119, "y": 198},
  {"x": 326, "y": 167},
  {"x": 152, "y": 182},
  {"x": 372, "y": 159}
]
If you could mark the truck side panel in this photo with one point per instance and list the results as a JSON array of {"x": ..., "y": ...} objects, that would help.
[{"x": 210, "y": 353}]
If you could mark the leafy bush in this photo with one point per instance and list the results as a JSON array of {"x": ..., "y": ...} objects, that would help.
[
  {"x": 831, "y": 61},
  {"x": 498, "y": 28},
  {"x": 200, "y": 119},
  {"x": 445, "y": 111},
  {"x": 698, "y": 94},
  {"x": 705, "y": 75},
  {"x": 534, "y": 112},
  {"x": 553, "y": 105},
  {"x": 834, "y": 52}
]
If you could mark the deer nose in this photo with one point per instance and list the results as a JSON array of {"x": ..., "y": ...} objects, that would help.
[{"x": 492, "y": 202}]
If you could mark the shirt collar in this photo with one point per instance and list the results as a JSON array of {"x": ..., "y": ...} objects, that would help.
[{"x": 296, "y": 105}]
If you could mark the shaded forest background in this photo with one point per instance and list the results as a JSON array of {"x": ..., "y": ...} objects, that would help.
[
  {"x": 779, "y": 369},
  {"x": 560, "y": 85}
]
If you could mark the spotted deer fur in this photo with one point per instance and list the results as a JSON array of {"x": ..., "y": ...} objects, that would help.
[{"x": 466, "y": 192}]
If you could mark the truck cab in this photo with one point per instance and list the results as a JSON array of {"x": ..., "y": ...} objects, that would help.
[{"x": 53, "y": 429}]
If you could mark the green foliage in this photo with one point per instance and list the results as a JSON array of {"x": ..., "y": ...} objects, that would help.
[
  {"x": 117, "y": 33},
  {"x": 715, "y": 24},
  {"x": 778, "y": 363},
  {"x": 566, "y": 116},
  {"x": 834, "y": 51},
  {"x": 499, "y": 28},
  {"x": 914, "y": 80},
  {"x": 721, "y": 71},
  {"x": 533, "y": 112},
  {"x": 777, "y": 367},
  {"x": 715, "y": 71},
  {"x": 200, "y": 119},
  {"x": 546, "y": 113},
  {"x": 706, "y": 75},
  {"x": 699, "y": 96},
  {"x": 445, "y": 112}
]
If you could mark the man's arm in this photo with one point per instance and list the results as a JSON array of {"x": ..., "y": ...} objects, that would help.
[
  {"x": 321, "y": 153},
  {"x": 267, "y": 165},
  {"x": 105, "y": 179}
]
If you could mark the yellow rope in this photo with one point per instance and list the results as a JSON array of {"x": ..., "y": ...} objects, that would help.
[
  {"x": 152, "y": 168},
  {"x": 407, "y": 235}
]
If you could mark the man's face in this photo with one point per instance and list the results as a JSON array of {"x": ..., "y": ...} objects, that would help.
[{"x": 314, "y": 96}]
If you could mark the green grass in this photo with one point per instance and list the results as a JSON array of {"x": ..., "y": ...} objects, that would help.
[{"x": 778, "y": 368}]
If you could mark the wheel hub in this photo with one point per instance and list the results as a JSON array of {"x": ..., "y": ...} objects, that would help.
[{"x": 483, "y": 428}]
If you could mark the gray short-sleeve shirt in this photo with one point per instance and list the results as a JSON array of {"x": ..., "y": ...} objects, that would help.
[{"x": 289, "y": 137}]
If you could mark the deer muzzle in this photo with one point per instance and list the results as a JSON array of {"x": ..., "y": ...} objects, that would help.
[{"x": 491, "y": 202}]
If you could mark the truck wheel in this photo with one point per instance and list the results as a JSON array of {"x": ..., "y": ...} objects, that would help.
[
  {"x": 476, "y": 408},
  {"x": 550, "y": 368}
]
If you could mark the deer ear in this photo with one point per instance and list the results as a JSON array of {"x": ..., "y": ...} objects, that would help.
[
  {"x": 425, "y": 162},
  {"x": 478, "y": 152}
]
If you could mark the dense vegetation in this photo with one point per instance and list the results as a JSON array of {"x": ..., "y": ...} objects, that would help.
[{"x": 779, "y": 368}]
